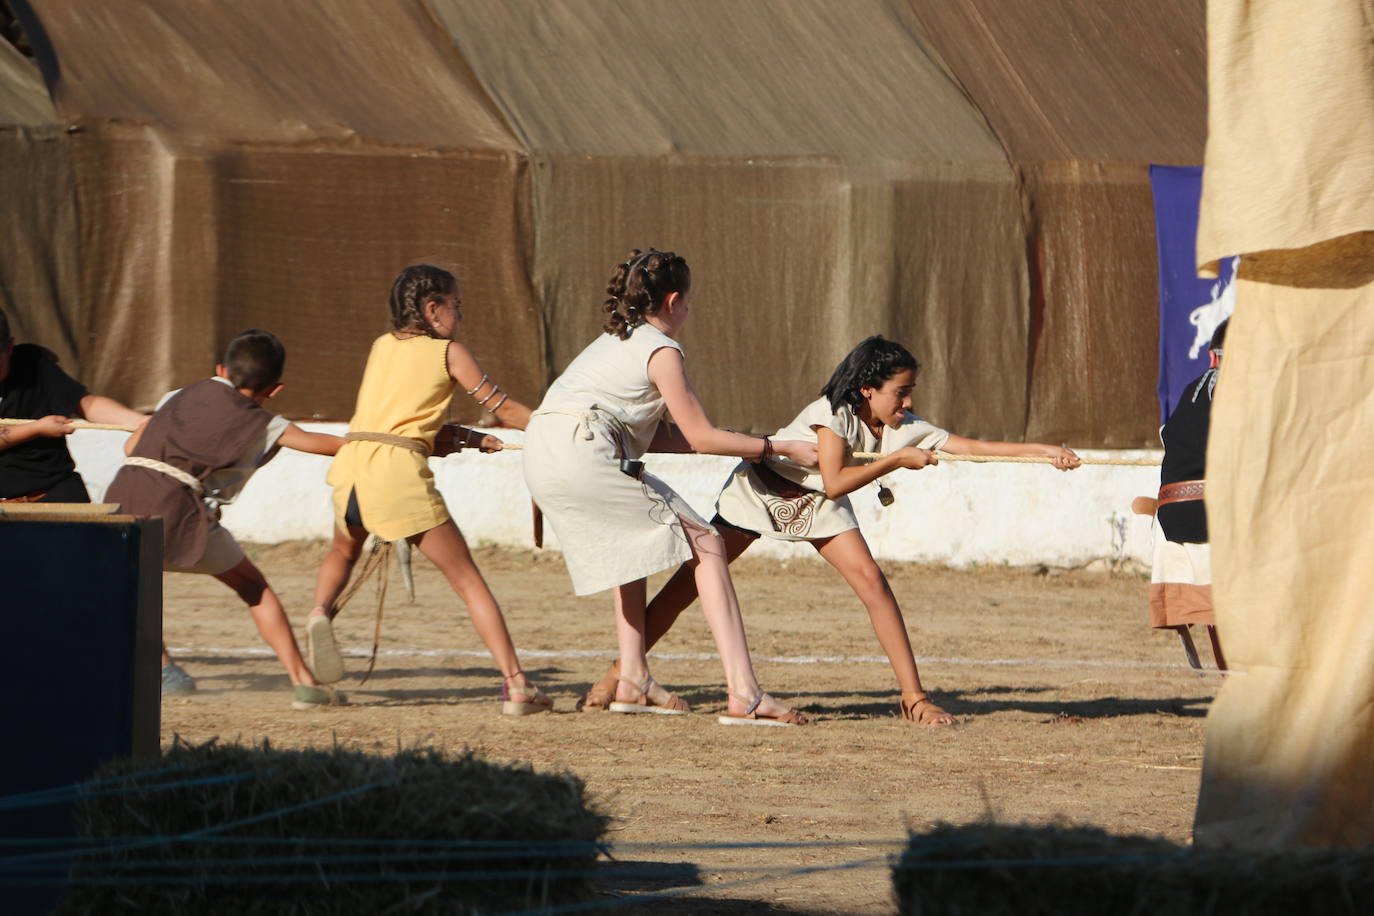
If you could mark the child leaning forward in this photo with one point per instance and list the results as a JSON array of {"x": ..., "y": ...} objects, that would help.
[
  {"x": 195, "y": 454},
  {"x": 865, "y": 407}
]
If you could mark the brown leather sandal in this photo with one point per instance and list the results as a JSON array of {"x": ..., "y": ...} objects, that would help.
[
  {"x": 652, "y": 699},
  {"x": 919, "y": 708},
  {"x": 599, "y": 698}
]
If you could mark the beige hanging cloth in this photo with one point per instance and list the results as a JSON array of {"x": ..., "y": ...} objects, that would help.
[{"x": 1289, "y": 186}]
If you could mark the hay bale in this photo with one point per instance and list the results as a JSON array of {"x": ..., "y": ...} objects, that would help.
[
  {"x": 990, "y": 870},
  {"x": 252, "y": 830}
]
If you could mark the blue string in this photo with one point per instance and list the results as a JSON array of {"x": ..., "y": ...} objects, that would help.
[
  {"x": 161, "y": 787},
  {"x": 17, "y": 800},
  {"x": 11, "y": 861}
]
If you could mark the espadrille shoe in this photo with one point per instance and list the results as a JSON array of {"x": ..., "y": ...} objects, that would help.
[
  {"x": 307, "y": 696},
  {"x": 322, "y": 652}
]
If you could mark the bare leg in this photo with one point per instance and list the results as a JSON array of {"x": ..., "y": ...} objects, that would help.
[
  {"x": 446, "y": 549},
  {"x": 248, "y": 582},
  {"x": 676, "y": 595},
  {"x": 629, "y": 631},
  {"x": 336, "y": 568},
  {"x": 848, "y": 552},
  {"x": 721, "y": 607}
]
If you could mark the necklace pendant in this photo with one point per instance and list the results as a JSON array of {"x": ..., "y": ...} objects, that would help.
[{"x": 885, "y": 497}]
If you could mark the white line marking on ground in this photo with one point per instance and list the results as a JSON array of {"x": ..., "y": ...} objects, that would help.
[{"x": 709, "y": 656}]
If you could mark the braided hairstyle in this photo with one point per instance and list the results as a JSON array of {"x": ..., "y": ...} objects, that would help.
[
  {"x": 418, "y": 284},
  {"x": 639, "y": 286},
  {"x": 872, "y": 362}
]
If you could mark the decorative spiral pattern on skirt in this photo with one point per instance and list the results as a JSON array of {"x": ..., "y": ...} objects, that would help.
[{"x": 792, "y": 516}]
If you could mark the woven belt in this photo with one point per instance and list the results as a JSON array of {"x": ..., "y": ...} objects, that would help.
[
  {"x": 30, "y": 498},
  {"x": 1183, "y": 491},
  {"x": 415, "y": 445},
  {"x": 162, "y": 467}
]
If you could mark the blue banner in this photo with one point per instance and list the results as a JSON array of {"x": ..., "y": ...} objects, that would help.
[{"x": 1189, "y": 308}]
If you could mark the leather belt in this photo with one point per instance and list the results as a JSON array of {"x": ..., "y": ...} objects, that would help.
[
  {"x": 1183, "y": 491},
  {"x": 30, "y": 498}
]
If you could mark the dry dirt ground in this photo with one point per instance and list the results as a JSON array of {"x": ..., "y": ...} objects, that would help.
[{"x": 1071, "y": 709}]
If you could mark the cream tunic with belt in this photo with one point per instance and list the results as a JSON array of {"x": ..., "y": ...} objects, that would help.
[
  {"x": 612, "y": 528},
  {"x": 405, "y": 392},
  {"x": 787, "y": 501}
]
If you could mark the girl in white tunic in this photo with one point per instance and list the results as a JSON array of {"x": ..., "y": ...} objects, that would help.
[
  {"x": 865, "y": 407},
  {"x": 616, "y": 524}
]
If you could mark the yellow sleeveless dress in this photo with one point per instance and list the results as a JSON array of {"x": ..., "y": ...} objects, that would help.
[{"x": 405, "y": 391}]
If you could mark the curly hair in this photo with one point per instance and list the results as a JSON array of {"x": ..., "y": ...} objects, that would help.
[
  {"x": 639, "y": 286},
  {"x": 874, "y": 361},
  {"x": 418, "y": 284}
]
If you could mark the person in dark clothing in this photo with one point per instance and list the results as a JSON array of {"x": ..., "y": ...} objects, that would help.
[{"x": 35, "y": 465}]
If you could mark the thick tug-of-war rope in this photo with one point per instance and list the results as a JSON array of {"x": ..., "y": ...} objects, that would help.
[
  {"x": 943, "y": 456},
  {"x": 79, "y": 424},
  {"x": 1033, "y": 459}
]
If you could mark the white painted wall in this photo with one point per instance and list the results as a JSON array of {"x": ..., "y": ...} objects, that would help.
[{"x": 954, "y": 514}]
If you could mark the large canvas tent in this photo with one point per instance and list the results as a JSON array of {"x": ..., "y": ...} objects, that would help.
[{"x": 972, "y": 184}]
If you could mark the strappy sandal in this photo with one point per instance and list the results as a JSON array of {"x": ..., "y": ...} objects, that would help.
[
  {"x": 652, "y": 699},
  {"x": 598, "y": 698},
  {"x": 751, "y": 716},
  {"x": 534, "y": 702},
  {"x": 929, "y": 713}
]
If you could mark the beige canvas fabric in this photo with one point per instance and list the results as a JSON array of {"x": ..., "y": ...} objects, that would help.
[
  {"x": 260, "y": 164},
  {"x": 1302, "y": 173},
  {"x": 1290, "y": 743},
  {"x": 1083, "y": 95},
  {"x": 38, "y": 224},
  {"x": 966, "y": 177},
  {"x": 813, "y": 162}
]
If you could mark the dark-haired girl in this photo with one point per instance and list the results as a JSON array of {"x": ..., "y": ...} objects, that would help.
[
  {"x": 381, "y": 477},
  {"x": 616, "y": 524},
  {"x": 865, "y": 407}
]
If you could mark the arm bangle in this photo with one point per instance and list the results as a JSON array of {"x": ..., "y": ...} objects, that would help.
[
  {"x": 473, "y": 392},
  {"x": 497, "y": 406},
  {"x": 495, "y": 390},
  {"x": 765, "y": 451}
]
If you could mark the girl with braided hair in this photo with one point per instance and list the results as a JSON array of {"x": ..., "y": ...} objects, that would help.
[
  {"x": 865, "y": 407},
  {"x": 615, "y": 523},
  {"x": 381, "y": 477}
]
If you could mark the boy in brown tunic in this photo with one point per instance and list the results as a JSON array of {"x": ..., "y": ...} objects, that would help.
[{"x": 195, "y": 453}]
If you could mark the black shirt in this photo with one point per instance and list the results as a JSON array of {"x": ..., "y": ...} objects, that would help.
[
  {"x": 1185, "y": 458},
  {"x": 34, "y": 388}
]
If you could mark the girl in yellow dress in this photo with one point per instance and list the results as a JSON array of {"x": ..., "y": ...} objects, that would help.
[{"x": 381, "y": 477}]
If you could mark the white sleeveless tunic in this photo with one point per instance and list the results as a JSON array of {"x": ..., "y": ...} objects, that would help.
[
  {"x": 612, "y": 528},
  {"x": 786, "y": 501}
]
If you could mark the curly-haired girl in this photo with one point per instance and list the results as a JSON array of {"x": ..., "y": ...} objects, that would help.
[{"x": 615, "y": 523}]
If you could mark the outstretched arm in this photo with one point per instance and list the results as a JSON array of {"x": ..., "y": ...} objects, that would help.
[
  {"x": 669, "y": 375},
  {"x": 1063, "y": 458},
  {"x": 45, "y": 427},
  {"x": 99, "y": 409},
  {"x": 464, "y": 369},
  {"x": 840, "y": 479},
  {"x": 314, "y": 443}
]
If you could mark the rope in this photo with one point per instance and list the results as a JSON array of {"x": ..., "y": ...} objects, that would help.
[
  {"x": 79, "y": 424},
  {"x": 377, "y": 563},
  {"x": 516, "y": 446},
  {"x": 986, "y": 459},
  {"x": 414, "y": 445}
]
